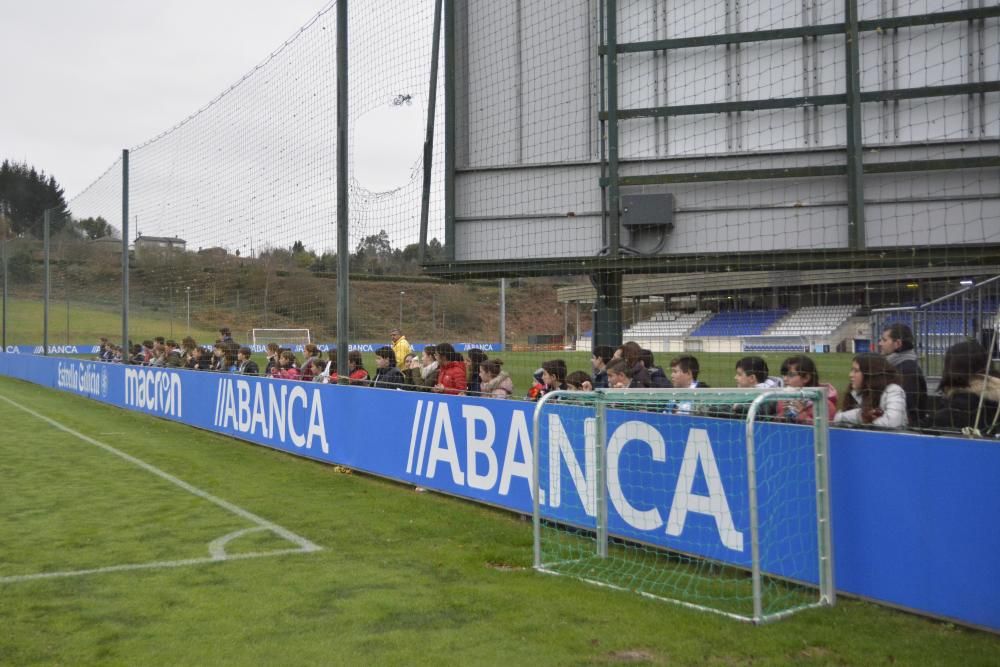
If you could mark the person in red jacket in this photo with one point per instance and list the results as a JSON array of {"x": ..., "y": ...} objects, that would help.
[
  {"x": 287, "y": 369},
  {"x": 356, "y": 366},
  {"x": 451, "y": 371},
  {"x": 800, "y": 372}
]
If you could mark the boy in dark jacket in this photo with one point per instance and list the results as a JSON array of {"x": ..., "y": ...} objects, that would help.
[
  {"x": 246, "y": 365},
  {"x": 387, "y": 376}
]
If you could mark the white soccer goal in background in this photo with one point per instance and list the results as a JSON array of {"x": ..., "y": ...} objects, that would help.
[
  {"x": 696, "y": 497},
  {"x": 285, "y": 336}
]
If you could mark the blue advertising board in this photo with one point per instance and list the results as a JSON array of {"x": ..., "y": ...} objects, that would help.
[{"x": 912, "y": 515}]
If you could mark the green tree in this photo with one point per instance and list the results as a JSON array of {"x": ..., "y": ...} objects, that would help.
[
  {"x": 96, "y": 228},
  {"x": 376, "y": 245},
  {"x": 25, "y": 194},
  {"x": 373, "y": 254},
  {"x": 20, "y": 266},
  {"x": 435, "y": 251}
]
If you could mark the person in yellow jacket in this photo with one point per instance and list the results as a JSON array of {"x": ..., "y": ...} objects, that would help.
[{"x": 400, "y": 346}]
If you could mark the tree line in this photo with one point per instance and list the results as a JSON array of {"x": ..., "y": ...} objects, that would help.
[
  {"x": 373, "y": 255},
  {"x": 25, "y": 195}
]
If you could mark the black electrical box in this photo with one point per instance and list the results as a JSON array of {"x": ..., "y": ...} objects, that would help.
[{"x": 648, "y": 210}]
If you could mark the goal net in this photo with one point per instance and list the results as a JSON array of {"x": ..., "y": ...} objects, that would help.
[
  {"x": 699, "y": 497},
  {"x": 283, "y": 336}
]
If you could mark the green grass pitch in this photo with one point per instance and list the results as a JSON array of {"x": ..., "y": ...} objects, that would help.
[{"x": 399, "y": 577}]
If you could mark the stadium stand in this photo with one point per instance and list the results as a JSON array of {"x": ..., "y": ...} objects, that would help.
[
  {"x": 937, "y": 321},
  {"x": 739, "y": 323},
  {"x": 668, "y": 323},
  {"x": 813, "y": 321}
]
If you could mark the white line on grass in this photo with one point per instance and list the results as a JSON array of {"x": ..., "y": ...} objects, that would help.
[
  {"x": 147, "y": 566},
  {"x": 217, "y": 548}
]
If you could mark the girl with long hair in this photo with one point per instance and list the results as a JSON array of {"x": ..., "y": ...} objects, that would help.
[{"x": 874, "y": 396}]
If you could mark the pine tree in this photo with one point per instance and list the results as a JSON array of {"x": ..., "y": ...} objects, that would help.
[{"x": 25, "y": 194}]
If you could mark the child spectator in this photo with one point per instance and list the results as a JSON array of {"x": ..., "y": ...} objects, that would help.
[
  {"x": 172, "y": 355},
  {"x": 216, "y": 357},
  {"x": 188, "y": 346},
  {"x": 159, "y": 353},
  {"x": 684, "y": 372},
  {"x": 428, "y": 368},
  {"x": 138, "y": 355},
  {"x": 246, "y": 365},
  {"x": 874, "y": 396},
  {"x": 620, "y": 375},
  {"x": 599, "y": 360},
  {"x": 476, "y": 357},
  {"x": 536, "y": 386},
  {"x": 684, "y": 375},
  {"x": 579, "y": 381},
  {"x": 200, "y": 360},
  {"x": 287, "y": 369},
  {"x": 753, "y": 373},
  {"x": 313, "y": 357},
  {"x": 553, "y": 376},
  {"x": 971, "y": 391},
  {"x": 800, "y": 372},
  {"x": 230, "y": 353},
  {"x": 104, "y": 350},
  {"x": 496, "y": 383},
  {"x": 451, "y": 371},
  {"x": 632, "y": 354},
  {"x": 387, "y": 376},
  {"x": 657, "y": 378},
  {"x": 411, "y": 371},
  {"x": 147, "y": 352},
  {"x": 273, "y": 350},
  {"x": 329, "y": 373},
  {"x": 356, "y": 366}
]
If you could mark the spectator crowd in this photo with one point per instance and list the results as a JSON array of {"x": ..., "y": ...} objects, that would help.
[{"x": 886, "y": 390}]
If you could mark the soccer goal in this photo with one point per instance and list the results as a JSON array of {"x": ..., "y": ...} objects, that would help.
[
  {"x": 283, "y": 336},
  {"x": 697, "y": 497}
]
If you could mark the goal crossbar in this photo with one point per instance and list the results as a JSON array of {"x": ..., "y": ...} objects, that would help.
[{"x": 293, "y": 336}]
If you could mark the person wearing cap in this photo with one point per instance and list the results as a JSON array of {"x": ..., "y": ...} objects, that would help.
[{"x": 400, "y": 346}]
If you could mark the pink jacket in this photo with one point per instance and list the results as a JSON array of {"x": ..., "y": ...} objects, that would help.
[
  {"x": 286, "y": 373},
  {"x": 787, "y": 411}
]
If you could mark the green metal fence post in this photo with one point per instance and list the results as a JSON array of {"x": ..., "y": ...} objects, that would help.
[
  {"x": 125, "y": 263},
  {"x": 47, "y": 217},
  {"x": 855, "y": 162},
  {"x": 343, "y": 252}
]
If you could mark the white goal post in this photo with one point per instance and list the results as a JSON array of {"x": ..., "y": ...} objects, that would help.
[
  {"x": 287, "y": 336},
  {"x": 700, "y": 497}
]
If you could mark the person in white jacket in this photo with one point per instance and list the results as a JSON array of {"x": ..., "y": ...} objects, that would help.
[{"x": 875, "y": 396}]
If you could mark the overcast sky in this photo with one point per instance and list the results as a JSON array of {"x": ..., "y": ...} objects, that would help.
[{"x": 83, "y": 79}]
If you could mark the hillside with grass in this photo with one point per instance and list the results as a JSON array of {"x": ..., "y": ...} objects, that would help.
[{"x": 175, "y": 293}]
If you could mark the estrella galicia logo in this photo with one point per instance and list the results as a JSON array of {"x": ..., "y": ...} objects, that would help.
[{"x": 80, "y": 377}]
